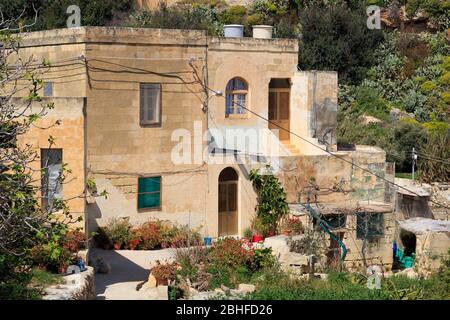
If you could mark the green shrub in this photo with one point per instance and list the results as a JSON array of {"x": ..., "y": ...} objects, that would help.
[
  {"x": 272, "y": 205},
  {"x": 248, "y": 233},
  {"x": 233, "y": 15},
  {"x": 446, "y": 62},
  {"x": 445, "y": 97},
  {"x": 117, "y": 233},
  {"x": 428, "y": 86},
  {"x": 445, "y": 79},
  {"x": 199, "y": 17},
  {"x": 435, "y": 147},
  {"x": 52, "y": 256},
  {"x": 335, "y": 38},
  {"x": 255, "y": 19},
  {"x": 262, "y": 258},
  {"x": 344, "y": 286}
]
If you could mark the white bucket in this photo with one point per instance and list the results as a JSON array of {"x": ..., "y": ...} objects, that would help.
[
  {"x": 262, "y": 32},
  {"x": 233, "y": 31}
]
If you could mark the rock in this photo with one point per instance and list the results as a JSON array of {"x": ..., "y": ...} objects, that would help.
[
  {"x": 397, "y": 114},
  {"x": 246, "y": 288},
  {"x": 150, "y": 283},
  {"x": 321, "y": 276},
  {"x": 366, "y": 119},
  {"x": 193, "y": 292},
  {"x": 101, "y": 266},
  {"x": 206, "y": 295},
  {"x": 280, "y": 247},
  {"x": 297, "y": 259},
  {"x": 225, "y": 289},
  {"x": 297, "y": 237},
  {"x": 409, "y": 272}
]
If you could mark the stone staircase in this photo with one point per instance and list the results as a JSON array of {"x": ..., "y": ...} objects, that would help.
[{"x": 290, "y": 147}]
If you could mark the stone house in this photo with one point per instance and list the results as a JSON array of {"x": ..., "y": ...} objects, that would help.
[{"x": 166, "y": 120}]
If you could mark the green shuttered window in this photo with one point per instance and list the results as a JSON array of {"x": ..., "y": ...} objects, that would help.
[{"x": 149, "y": 193}]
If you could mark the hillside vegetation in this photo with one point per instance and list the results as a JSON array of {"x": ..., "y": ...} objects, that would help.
[{"x": 394, "y": 83}]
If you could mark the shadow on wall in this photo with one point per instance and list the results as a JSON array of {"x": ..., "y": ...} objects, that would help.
[
  {"x": 93, "y": 213},
  {"x": 326, "y": 121},
  {"x": 413, "y": 206}
]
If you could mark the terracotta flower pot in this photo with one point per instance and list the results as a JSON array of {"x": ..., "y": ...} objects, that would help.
[
  {"x": 161, "y": 282},
  {"x": 286, "y": 232},
  {"x": 117, "y": 246},
  {"x": 62, "y": 269}
]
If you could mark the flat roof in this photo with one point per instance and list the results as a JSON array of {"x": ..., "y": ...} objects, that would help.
[
  {"x": 424, "y": 225},
  {"x": 152, "y": 36}
]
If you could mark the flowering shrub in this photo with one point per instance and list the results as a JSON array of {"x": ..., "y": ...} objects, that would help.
[
  {"x": 120, "y": 234},
  {"x": 148, "y": 235},
  {"x": 292, "y": 226},
  {"x": 230, "y": 252},
  {"x": 165, "y": 271},
  {"x": 74, "y": 241}
]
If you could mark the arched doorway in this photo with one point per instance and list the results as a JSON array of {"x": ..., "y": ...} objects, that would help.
[{"x": 228, "y": 202}]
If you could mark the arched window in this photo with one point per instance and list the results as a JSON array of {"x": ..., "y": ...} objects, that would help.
[{"x": 236, "y": 95}]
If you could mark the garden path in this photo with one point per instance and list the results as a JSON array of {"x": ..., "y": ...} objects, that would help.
[{"x": 128, "y": 269}]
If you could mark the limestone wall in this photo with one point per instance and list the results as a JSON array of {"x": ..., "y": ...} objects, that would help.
[
  {"x": 80, "y": 286},
  {"x": 328, "y": 171},
  {"x": 431, "y": 250},
  {"x": 68, "y": 135}
]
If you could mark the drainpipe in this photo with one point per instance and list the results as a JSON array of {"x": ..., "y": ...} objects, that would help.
[{"x": 86, "y": 224}]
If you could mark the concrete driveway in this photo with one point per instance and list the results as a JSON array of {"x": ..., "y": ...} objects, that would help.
[{"x": 128, "y": 269}]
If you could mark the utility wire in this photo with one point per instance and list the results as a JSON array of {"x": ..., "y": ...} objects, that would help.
[
  {"x": 317, "y": 146},
  {"x": 447, "y": 161},
  {"x": 174, "y": 75}
]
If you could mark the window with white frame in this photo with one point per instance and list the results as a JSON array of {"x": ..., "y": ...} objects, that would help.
[
  {"x": 150, "y": 104},
  {"x": 236, "y": 95}
]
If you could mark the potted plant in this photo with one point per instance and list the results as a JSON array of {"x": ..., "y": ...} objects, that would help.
[
  {"x": 163, "y": 273},
  {"x": 248, "y": 234},
  {"x": 63, "y": 260},
  {"x": 260, "y": 229},
  {"x": 292, "y": 226}
]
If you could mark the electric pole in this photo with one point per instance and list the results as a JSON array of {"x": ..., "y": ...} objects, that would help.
[{"x": 414, "y": 159}]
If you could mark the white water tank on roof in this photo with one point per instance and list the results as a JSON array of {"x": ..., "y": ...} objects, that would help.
[
  {"x": 262, "y": 32},
  {"x": 233, "y": 30}
]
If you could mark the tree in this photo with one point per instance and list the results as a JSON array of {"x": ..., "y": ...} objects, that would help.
[
  {"x": 337, "y": 38},
  {"x": 23, "y": 221},
  {"x": 434, "y": 157},
  {"x": 52, "y": 13}
]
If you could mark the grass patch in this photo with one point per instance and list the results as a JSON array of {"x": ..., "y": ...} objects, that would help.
[
  {"x": 42, "y": 278},
  {"x": 344, "y": 286}
]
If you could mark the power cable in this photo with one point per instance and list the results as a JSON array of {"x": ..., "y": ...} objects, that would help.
[{"x": 319, "y": 147}]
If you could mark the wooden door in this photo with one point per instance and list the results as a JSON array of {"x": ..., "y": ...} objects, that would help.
[
  {"x": 228, "y": 208},
  {"x": 279, "y": 111}
]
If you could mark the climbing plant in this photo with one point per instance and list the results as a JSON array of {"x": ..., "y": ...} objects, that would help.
[{"x": 272, "y": 205}]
